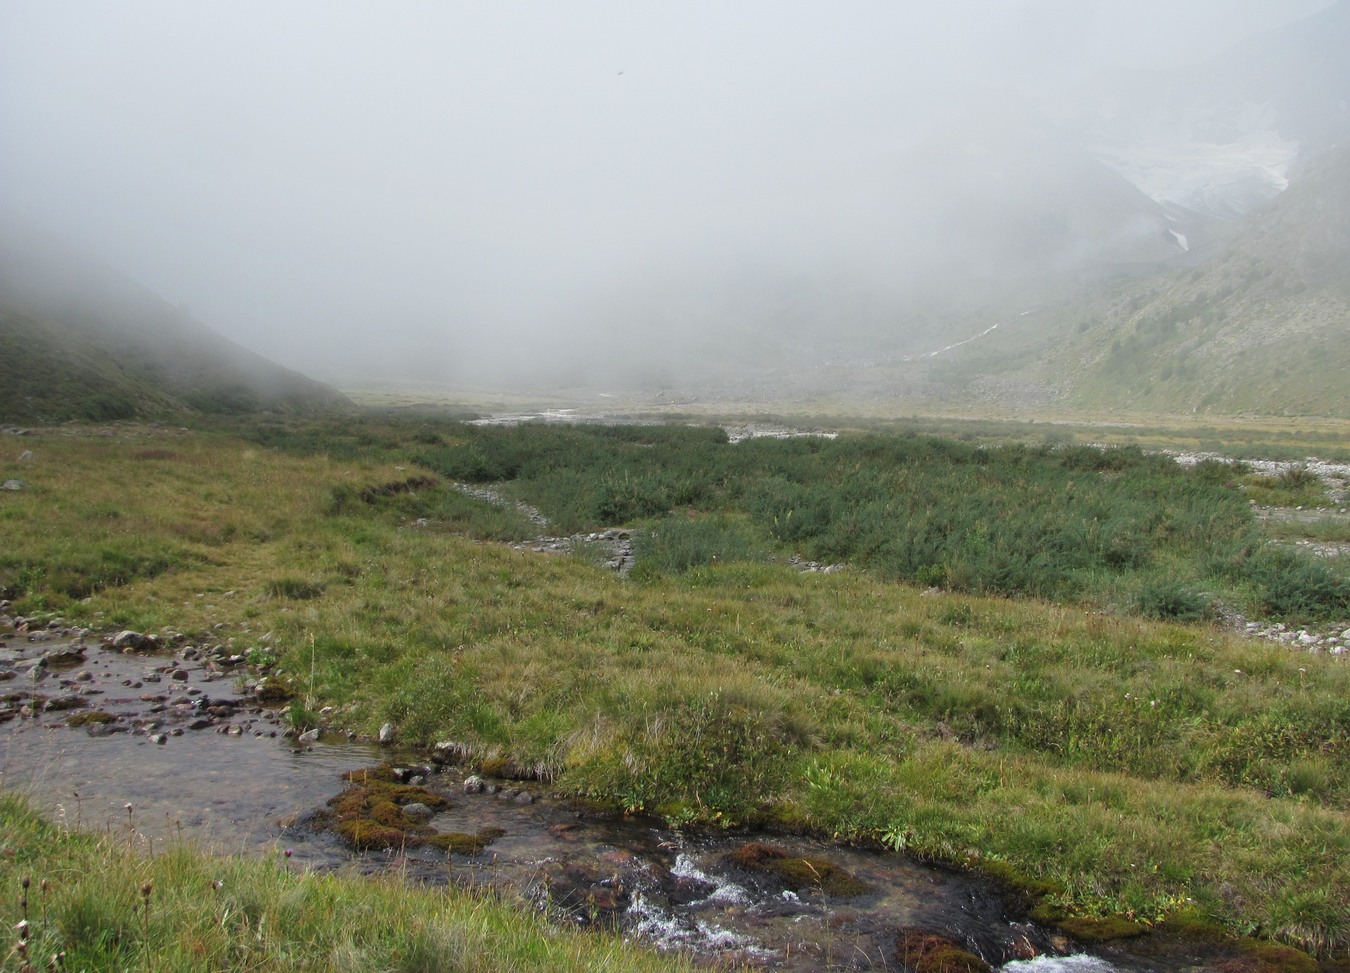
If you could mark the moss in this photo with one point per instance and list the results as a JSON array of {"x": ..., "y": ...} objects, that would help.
[
  {"x": 1275, "y": 958},
  {"x": 274, "y": 694},
  {"x": 1014, "y": 880},
  {"x": 387, "y": 813},
  {"x": 1240, "y": 954},
  {"x": 798, "y": 874},
  {"x": 505, "y": 768},
  {"x": 461, "y": 843},
  {"x": 92, "y": 716},
  {"x": 789, "y": 817},
  {"x": 926, "y": 952},
  {"x": 383, "y": 772},
  {"x": 369, "y": 814},
  {"x": 1047, "y": 914},
  {"x": 362, "y": 834},
  {"x": 1088, "y": 929}
]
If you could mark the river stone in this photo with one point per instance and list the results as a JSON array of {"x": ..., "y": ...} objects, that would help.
[
  {"x": 387, "y": 733},
  {"x": 524, "y": 797},
  {"x": 309, "y": 736},
  {"x": 418, "y": 812},
  {"x": 62, "y": 657},
  {"x": 127, "y": 640},
  {"x": 474, "y": 785}
]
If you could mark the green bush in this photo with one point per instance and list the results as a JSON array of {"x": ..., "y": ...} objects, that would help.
[
  {"x": 1171, "y": 600},
  {"x": 677, "y": 543}
]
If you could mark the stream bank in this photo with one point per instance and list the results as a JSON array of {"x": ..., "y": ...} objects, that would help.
[{"x": 139, "y": 741}]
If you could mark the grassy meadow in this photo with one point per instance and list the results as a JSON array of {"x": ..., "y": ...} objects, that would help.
[{"x": 1018, "y": 672}]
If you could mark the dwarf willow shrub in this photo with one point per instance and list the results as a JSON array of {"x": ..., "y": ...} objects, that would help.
[
  {"x": 678, "y": 543},
  {"x": 1048, "y": 521},
  {"x": 1296, "y": 587}
]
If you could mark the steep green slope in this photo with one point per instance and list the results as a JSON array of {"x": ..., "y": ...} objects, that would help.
[{"x": 80, "y": 341}]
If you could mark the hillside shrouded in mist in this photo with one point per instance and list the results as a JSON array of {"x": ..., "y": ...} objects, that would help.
[{"x": 590, "y": 193}]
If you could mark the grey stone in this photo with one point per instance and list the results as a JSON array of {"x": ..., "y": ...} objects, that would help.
[
  {"x": 127, "y": 640},
  {"x": 309, "y": 736},
  {"x": 13, "y": 485},
  {"x": 474, "y": 785},
  {"x": 387, "y": 733},
  {"x": 418, "y": 812}
]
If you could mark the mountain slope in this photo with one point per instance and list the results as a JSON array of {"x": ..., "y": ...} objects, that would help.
[
  {"x": 1263, "y": 327},
  {"x": 80, "y": 341}
]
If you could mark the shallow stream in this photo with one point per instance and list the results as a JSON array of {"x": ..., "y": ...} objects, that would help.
[{"x": 186, "y": 756}]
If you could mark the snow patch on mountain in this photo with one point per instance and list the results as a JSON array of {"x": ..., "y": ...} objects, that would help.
[{"x": 1224, "y": 177}]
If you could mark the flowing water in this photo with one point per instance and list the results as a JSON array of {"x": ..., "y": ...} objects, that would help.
[{"x": 186, "y": 756}]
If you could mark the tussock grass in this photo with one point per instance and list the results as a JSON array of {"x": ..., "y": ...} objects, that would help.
[
  {"x": 96, "y": 900},
  {"x": 1133, "y": 767}
]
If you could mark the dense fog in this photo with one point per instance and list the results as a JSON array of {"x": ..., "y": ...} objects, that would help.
[{"x": 514, "y": 192}]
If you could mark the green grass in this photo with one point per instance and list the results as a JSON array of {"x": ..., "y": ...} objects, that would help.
[
  {"x": 103, "y": 906},
  {"x": 1131, "y": 766}
]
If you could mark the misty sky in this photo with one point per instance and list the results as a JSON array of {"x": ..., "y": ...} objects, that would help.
[{"x": 434, "y": 188}]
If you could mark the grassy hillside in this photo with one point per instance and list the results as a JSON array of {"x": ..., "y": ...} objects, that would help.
[
  {"x": 80, "y": 341},
  {"x": 1119, "y": 765}
]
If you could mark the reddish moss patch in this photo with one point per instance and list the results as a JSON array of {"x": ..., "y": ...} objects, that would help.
[
  {"x": 927, "y": 952},
  {"x": 798, "y": 874},
  {"x": 363, "y": 834},
  {"x": 369, "y": 815}
]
